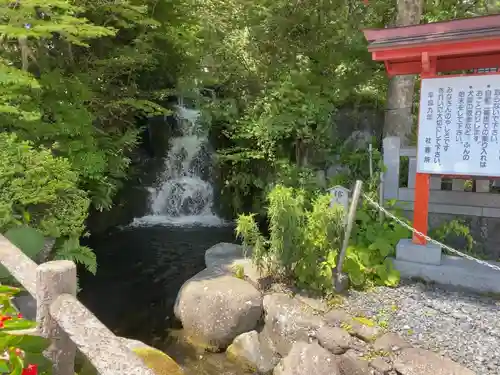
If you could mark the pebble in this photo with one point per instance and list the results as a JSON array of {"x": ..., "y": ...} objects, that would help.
[{"x": 459, "y": 324}]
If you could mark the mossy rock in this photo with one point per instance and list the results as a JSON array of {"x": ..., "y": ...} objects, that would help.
[{"x": 159, "y": 362}]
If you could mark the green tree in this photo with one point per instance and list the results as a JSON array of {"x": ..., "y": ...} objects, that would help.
[
  {"x": 41, "y": 190},
  {"x": 74, "y": 78}
]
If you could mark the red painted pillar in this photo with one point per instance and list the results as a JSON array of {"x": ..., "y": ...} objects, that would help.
[
  {"x": 421, "y": 208},
  {"x": 422, "y": 180}
]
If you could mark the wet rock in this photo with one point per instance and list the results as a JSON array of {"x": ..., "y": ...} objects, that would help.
[
  {"x": 355, "y": 326},
  {"x": 307, "y": 359},
  {"x": 334, "y": 339},
  {"x": 390, "y": 342},
  {"x": 248, "y": 349},
  {"x": 381, "y": 365},
  {"x": 351, "y": 364},
  {"x": 229, "y": 257},
  {"x": 215, "y": 307},
  {"x": 288, "y": 321},
  {"x": 415, "y": 361},
  {"x": 223, "y": 254}
]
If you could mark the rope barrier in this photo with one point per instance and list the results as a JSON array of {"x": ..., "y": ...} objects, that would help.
[{"x": 429, "y": 239}]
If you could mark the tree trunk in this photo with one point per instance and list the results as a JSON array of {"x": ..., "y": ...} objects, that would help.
[{"x": 398, "y": 116}]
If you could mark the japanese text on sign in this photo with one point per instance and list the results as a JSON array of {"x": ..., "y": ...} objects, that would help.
[{"x": 459, "y": 126}]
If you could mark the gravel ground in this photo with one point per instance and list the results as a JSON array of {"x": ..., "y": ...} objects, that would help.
[{"x": 456, "y": 323}]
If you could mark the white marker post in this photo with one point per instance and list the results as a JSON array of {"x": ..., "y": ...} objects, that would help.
[{"x": 340, "y": 197}]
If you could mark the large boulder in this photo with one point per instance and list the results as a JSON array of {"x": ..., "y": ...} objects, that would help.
[
  {"x": 415, "y": 361},
  {"x": 288, "y": 321},
  {"x": 224, "y": 254},
  {"x": 254, "y": 353},
  {"x": 308, "y": 359},
  {"x": 231, "y": 257},
  {"x": 215, "y": 307}
]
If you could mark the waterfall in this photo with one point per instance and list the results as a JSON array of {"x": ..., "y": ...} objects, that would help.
[{"x": 183, "y": 194}]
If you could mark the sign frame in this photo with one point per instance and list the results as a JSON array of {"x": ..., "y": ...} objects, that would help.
[{"x": 420, "y": 143}]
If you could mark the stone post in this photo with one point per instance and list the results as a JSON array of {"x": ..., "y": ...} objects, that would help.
[{"x": 53, "y": 279}]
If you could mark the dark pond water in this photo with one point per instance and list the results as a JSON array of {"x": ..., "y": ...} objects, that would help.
[{"x": 140, "y": 272}]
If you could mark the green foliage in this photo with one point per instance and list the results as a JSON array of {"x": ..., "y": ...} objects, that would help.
[
  {"x": 239, "y": 271},
  {"x": 374, "y": 237},
  {"x": 357, "y": 165},
  {"x": 75, "y": 76},
  {"x": 373, "y": 241},
  {"x": 72, "y": 250},
  {"x": 22, "y": 350},
  {"x": 282, "y": 70},
  {"x": 40, "y": 197},
  {"x": 305, "y": 239},
  {"x": 454, "y": 228}
]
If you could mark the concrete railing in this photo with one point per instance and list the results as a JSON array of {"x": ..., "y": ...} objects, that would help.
[
  {"x": 481, "y": 202},
  {"x": 63, "y": 320}
]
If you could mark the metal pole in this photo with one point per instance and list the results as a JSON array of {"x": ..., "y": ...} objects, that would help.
[
  {"x": 381, "y": 197},
  {"x": 340, "y": 278}
]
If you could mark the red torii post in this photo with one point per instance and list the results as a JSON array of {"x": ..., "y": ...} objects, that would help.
[{"x": 430, "y": 49}]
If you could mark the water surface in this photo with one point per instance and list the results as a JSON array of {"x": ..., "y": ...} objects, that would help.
[{"x": 140, "y": 271}]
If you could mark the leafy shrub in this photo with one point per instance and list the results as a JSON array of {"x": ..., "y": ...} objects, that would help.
[
  {"x": 454, "y": 228},
  {"x": 305, "y": 239},
  {"x": 373, "y": 241},
  {"x": 41, "y": 190},
  {"x": 22, "y": 353}
]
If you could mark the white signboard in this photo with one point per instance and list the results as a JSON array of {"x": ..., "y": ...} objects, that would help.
[
  {"x": 459, "y": 126},
  {"x": 340, "y": 196}
]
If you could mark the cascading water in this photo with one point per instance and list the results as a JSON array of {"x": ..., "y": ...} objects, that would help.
[
  {"x": 184, "y": 195},
  {"x": 153, "y": 257}
]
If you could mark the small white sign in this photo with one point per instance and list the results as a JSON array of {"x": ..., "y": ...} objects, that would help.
[
  {"x": 459, "y": 126},
  {"x": 340, "y": 196}
]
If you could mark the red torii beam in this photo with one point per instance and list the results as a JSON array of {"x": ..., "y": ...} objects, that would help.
[{"x": 430, "y": 49}]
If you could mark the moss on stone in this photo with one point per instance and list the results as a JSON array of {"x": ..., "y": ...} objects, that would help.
[{"x": 156, "y": 360}]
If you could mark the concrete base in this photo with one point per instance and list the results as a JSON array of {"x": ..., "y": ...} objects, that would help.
[
  {"x": 426, "y": 254},
  {"x": 454, "y": 271}
]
